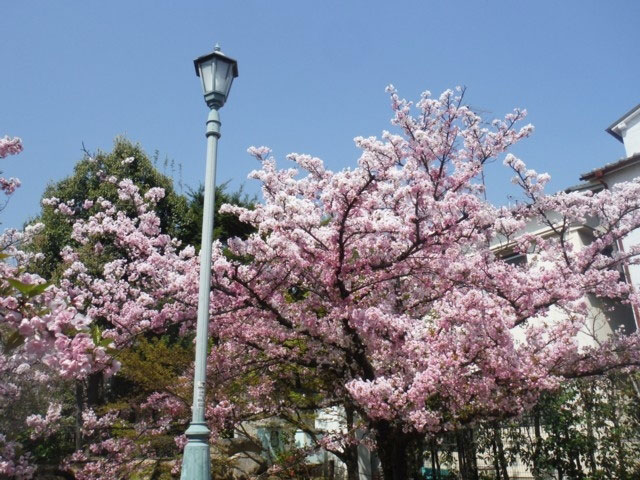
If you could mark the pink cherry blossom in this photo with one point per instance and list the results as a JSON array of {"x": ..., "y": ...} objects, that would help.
[{"x": 10, "y": 146}]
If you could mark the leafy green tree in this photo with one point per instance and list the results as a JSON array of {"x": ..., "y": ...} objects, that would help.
[
  {"x": 96, "y": 176},
  {"x": 226, "y": 225},
  {"x": 587, "y": 430}
]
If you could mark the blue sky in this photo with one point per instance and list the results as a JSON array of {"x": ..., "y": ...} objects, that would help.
[{"x": 312, "y": 76}]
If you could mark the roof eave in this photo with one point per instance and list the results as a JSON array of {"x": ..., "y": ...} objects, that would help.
[
  {"x": 606, "y": 169},
  {"x": 615, "y": 135},
  {"x": 611, "y": 129}
]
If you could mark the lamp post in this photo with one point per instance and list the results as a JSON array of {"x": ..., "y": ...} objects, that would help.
[{"x": 217, "y": 72}]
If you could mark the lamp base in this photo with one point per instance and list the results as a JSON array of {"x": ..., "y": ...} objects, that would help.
[{"x": 196, "y": 459}]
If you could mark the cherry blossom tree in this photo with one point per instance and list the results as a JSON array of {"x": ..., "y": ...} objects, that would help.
[
  {"x": 42, "y": 337},
  {"x": 386, "y": 279},
  {"x": 384, "y": 286}
]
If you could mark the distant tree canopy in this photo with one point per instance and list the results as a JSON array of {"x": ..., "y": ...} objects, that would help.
[
  {"x": 97, "y": 176},
  {"x": 226, "y": 225}
]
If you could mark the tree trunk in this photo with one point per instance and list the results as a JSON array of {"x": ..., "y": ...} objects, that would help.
[
  {"x": 89, "y": 395},
  {"x": 352, "y": 465},
  {"x": 537, "y": 450},
  {"x": 393, "y": 446},
  {"x": 433, "y": 458},
  {"x": 502, "y": 460},
  {"x": 467, "y": 454},
  {"x": 351, "y": 451},
  {"x": 416, "y": 457},
  {"x": 620, "y": 453},
  {"x": 95, "y": 390},
  {"x": 496, "y": 463},
  {"x": 588, "y": 395},
  {"x": 79, "y": 408}
]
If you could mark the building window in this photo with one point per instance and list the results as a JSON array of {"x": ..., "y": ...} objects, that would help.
[{"x": 515, "y": 259}]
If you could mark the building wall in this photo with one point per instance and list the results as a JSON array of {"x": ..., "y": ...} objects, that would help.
[
  {"x": 624, "y": 175},
  {"x": 631, "y": 135}
]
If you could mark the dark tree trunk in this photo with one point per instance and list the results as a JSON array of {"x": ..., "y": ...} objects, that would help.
[
  {"x": 537, "y": 450},
  {"x": 352, "y": 464},
  {"x": 502, "y": 460},
  {"x": 580, "y": 470},
  {"x": 95, "y": 390},
  {"x": 467, "y": 454},
  {"x": 588, "y": 396},
  {"x": 574, "y": 469},
  {"x": 559, "y": 465},
  {"x": 496, "y": 463},
  {"x": 79, "y": 409},
  {"x": 393, "y": 448},
  {"x": 433, "y": 458},
  {"x": 620, "y": 453},
  {"x": 88, "y": 395},
  {"x": 416, "y": 457},
  {"x": 351, "y": 451}
]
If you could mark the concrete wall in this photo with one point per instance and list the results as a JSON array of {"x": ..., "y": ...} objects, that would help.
[
  {"x": 624, "y": 175},
  {"x": 631, "y": 134}
]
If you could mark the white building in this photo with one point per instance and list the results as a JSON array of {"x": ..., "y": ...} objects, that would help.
[{"x": 626, "y": 130}]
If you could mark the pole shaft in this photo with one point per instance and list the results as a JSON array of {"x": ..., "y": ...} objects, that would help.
[
  {"x": 196, "y": 460},
  {"x": 202, "y": 332}
]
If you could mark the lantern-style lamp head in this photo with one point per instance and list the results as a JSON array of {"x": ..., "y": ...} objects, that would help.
[{"x": 217, "y": 72}]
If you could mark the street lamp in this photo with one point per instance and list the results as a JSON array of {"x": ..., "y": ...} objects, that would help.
[{"x": 217, "y": 72}]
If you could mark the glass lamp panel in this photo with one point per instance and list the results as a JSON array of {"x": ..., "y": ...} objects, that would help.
[
  {"x": 222, "y": 81},
  {"x": 206, "y": 74}
]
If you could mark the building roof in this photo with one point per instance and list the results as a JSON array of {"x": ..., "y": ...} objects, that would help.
[
  {"x": 611, "y": 167},
  {"x": 611, "y": 129}
]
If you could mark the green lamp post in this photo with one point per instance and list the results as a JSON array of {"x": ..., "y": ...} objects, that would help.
[{"x": 217, "y": 72}]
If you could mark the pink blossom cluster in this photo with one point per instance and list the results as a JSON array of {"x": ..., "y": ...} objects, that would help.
[
  {"x": 137, "y": 294},
  {"x": 14, "y": 464},
  {"x": 57, "y": 338},
  {"x": 44, "y": 336},
  {"x": 8, "y": 186},
  {"x": 10, "y": 146},
  {"x": 92, "y": 423},
  {"x": 108, "y": 456},
  {"x": 47, "y": 338},
  {"x": 44, "y": 426}
]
